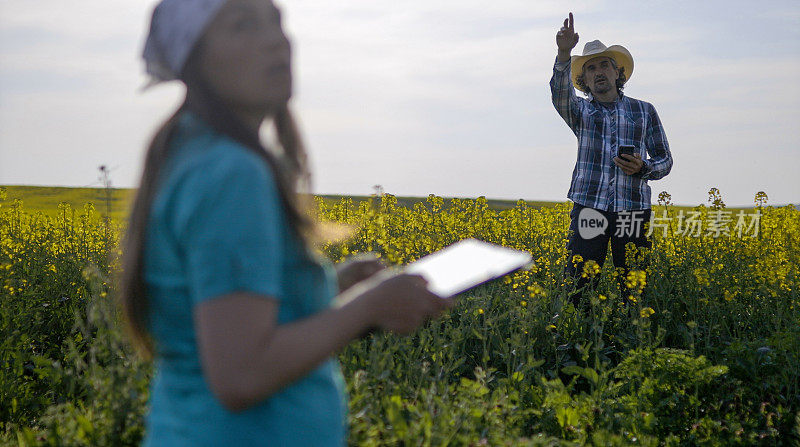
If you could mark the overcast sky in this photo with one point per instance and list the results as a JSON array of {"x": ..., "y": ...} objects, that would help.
[{"x": 425, "y": 96}]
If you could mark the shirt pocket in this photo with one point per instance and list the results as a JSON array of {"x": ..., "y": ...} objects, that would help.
[
  {"x": 591, "y": 139},
  {"x": 631, "y": 133}
]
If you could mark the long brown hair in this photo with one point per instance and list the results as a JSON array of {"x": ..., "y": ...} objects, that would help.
[{"x": 290, "y": 171}]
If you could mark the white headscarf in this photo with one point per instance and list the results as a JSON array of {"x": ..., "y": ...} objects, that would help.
[{"x": 175, "y": 27}]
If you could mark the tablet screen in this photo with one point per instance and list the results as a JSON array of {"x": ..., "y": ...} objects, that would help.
[{"x": 466, "y": 264}]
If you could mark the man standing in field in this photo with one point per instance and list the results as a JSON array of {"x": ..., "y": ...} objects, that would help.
[{"x": 609, "y": 191}]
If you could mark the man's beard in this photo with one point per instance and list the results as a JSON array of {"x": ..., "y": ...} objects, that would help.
[{"x": 601, "y": 88}]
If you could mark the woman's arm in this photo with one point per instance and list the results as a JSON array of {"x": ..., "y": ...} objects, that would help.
[
  {"x": 229, "y": 230},
  {"x": 246, "y": 356}
]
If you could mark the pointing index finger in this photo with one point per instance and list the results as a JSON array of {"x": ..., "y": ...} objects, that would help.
[{"x": 571, "y": 22}]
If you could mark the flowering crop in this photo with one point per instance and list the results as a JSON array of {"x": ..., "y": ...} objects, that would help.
[{"x": 704, "y": 349}]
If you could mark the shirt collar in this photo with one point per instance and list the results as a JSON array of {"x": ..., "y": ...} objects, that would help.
[{"x": 620, "y": 95}]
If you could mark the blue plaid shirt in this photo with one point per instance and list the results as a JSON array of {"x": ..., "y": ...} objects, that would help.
[{"x": 596, "y": 181}]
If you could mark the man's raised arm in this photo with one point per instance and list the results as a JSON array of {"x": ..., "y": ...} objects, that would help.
[{"x": 564, "y": 98}]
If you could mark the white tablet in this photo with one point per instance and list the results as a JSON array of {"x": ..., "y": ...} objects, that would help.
[{"x": 466, "y": 264}]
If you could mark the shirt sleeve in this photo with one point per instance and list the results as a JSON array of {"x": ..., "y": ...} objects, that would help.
[
  {"x": 229, "y": 230},
  {"x": 565, "y": 100},
  {"x": 562, "y": 65},
  {"x": 660, "y": 162}
]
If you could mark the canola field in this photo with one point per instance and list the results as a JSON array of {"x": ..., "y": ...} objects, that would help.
[{"x": 703, "y": 348}]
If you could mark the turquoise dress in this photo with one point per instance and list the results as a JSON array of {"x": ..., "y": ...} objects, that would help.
[{"x": 217, "y": 226}]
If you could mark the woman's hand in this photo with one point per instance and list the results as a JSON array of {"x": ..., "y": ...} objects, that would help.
[
  {"x": 403, "y": 302},
  {"x": 357, "y": 269}
]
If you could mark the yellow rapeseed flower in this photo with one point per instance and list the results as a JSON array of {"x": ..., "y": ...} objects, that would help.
[
  {"x": 702, "y": 276},
  {"x": 536, "y": 290},
  {"x": 646, "y": 312},
  {"x": 590, "y": 269},
  {"x": 636, "y": 279}
]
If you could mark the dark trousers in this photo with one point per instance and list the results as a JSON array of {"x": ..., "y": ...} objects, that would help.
[{"x": 620, "y": 228}]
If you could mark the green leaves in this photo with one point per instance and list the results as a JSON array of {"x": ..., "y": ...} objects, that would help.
[{"x": 588, "y": 373}]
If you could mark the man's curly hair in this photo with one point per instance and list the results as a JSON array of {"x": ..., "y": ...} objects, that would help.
[{"x": 620, "y": 84}]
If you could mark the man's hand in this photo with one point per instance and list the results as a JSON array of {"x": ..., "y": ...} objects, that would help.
[
  {"x": 566, "y": 38},
  {"x": 631, "y": 164}
]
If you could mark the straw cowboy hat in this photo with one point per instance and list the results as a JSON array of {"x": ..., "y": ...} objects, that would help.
[{"x": 596, "y": 48}]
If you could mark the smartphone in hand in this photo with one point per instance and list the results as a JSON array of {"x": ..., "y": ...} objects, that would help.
[{"x": 625, "y": 149}]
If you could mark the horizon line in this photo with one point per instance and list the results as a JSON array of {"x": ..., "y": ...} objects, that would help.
[{"x": 796, "y": 205}]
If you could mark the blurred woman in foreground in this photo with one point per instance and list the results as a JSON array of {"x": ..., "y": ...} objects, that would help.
[{"x": 221, "y": 284}]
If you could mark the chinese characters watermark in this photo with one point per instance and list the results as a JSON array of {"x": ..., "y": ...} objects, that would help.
[
  {"x": 691, "y": 224},
  {"x": 718, "y": 223}
]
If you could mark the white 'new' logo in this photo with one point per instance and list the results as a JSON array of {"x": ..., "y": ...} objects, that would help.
[{"x": 591, "y": 223}]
